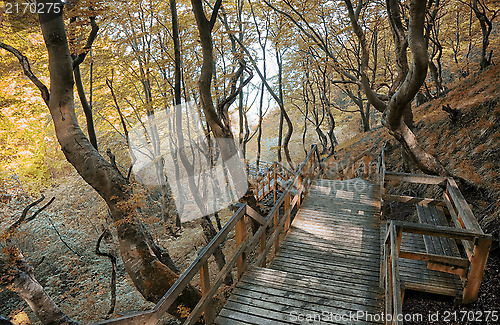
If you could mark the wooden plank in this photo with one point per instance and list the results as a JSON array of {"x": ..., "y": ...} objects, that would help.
[
  {"x": 289, "y": 303},
  {"x": 432, "y": 244},
  {"x": 221, "y": 320},
  {"x": 449, "y": 245},
  {"x": 454, "y": 217},
  {"x": 423, "y": 229},
  {"x": 340, "y": 216},
  {"x": 302, "y": 226},
  {"x": 450, "y": 260},
  {"x": 278, "y": 312},
  {"x": 359, "y": 221},
  {"x": 448, "y": 269},
  {"x": 464, "y": 211},
  {"x": 368, "y": 248},
  {"x": 418, "y": 179},
  {"x": 323, "y": 267},
  {"x": 340, "y": 300},
  {"x": 431, "y": 288},
  {"x": 232, "y": 311},
  {"x": 332, "y": 238},
  {"x": 436, "y": 245},
  {"x": 317, "y": 273},
  {"x": 370, "y": 262},
  {"x": 303, "y": 281}
]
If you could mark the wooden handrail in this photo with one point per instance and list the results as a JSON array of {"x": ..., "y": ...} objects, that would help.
[
  {"x": 244, "y": 246},
  {"x": 440, "y": 231}
]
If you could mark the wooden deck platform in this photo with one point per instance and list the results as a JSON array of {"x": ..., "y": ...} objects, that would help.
[{"x": 327, "y": 269}]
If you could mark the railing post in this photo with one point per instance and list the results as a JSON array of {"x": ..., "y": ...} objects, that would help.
[
  {"x": 477, "y": 265},
  {"x": 299, "y": 189},
  {"x": 275, "y": 167},
  {"x": 241, "y": 233},
  {"x": 288, "y": 214},
  {"x": 277, "y": 239},
  {"x": 262, "y": 248},
  {"x": 366, "y": 172},
  {"x": 205, "y": 288}
]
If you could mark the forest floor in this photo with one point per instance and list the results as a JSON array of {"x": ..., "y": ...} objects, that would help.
[
  {"x": 469, "y": 148},
  {"x": 60, "y": 242}
]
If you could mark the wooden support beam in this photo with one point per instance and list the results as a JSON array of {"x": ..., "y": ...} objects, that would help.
[
  {"x": 241, "y": 233},
  {"x": 478, "y": 263},
  {"x": 419, "y": 256},
  {"x": 288, "y": 212},
  {"x": 262, "y": 247},
  {"x": 456, "y": 221},
  {"x": 277, "y": 238},
  {"x": 366, "y": 171},
  {"x": 463, "y": 210},
  {"x": 275, "y": 167},
  {"x": 396, "y": 282},
  {"x": 418, "y": 179},
  {"x": 448, "y": 269},
  {"x": 255, "y": 215},
  {"x": 205, "y": 288}
]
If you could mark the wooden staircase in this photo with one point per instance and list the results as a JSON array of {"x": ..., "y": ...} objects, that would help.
[{"x": 327, "y": 268}]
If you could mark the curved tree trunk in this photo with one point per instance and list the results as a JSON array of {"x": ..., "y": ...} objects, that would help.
[
  {"x": 151, "y": 277},
  {"x": 21, "y": 280},
  {"x": 397, "y": 113}
]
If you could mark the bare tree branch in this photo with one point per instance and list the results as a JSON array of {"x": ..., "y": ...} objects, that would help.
[
  {"x": 23, "y": 60},
  {"x": 90, "y": 40}
]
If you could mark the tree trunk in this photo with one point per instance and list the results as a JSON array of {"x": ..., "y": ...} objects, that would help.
[
  {"x": 177, "y": 53},
  {"x": 397, "y": 113},
  {"x": 29, "y": 289},
  {"x": 151, "y": 277},
  {"x": 399, "y": 120}
]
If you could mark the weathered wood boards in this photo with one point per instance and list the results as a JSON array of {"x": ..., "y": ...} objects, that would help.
[{"x": 327, "y": 266}]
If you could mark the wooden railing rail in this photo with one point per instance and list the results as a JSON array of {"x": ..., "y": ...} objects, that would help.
[
  {"x": 269, "y": 181},
  {"x": 463, "y": 228},
  {"x": 245, "y": 245},
  {"x": 349, "y": 171}
]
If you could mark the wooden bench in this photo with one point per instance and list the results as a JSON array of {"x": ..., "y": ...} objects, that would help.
[
  {"x": 441, "y": 235},
  {"x": 434, "y": 215}
]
